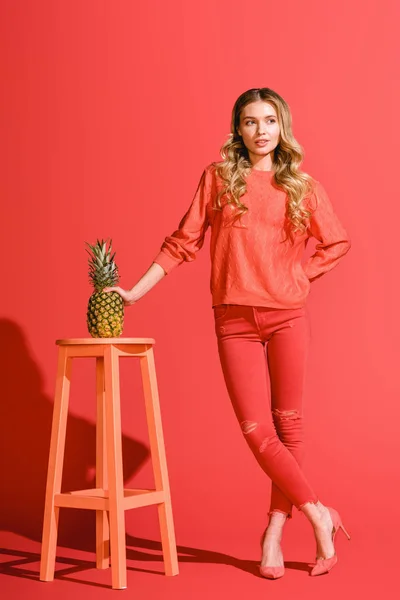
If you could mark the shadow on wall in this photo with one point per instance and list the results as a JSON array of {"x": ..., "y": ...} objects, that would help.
[{"x": 25, "y": 426}]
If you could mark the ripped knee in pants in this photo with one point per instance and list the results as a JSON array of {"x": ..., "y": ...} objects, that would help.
[
  {"x": 250, "y": 426},
  {"x": 286, "y": 415}
]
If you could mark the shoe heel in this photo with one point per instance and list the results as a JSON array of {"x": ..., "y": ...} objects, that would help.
[
  {"x": 337, "y": 522},
  {"x": 344, "y": 531},
  {"x": 324, "y": 565}
]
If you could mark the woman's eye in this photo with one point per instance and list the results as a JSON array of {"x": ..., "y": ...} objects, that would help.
[{"x": 271, "y": 120}]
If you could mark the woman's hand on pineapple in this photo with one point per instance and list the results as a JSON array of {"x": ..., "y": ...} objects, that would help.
[{"x": 126, "y": 295}]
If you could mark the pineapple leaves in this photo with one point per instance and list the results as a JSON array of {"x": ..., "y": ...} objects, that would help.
[{"x": 103, "y": 272}]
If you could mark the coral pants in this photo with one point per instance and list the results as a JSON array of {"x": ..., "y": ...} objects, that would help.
[{"x": 263, "y": 353}]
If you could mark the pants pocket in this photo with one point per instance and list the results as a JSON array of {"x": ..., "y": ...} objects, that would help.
[{"x": 220, "y": 311}]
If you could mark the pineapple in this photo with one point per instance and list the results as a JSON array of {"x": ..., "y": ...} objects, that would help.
[{"x": 105, "y": 315}]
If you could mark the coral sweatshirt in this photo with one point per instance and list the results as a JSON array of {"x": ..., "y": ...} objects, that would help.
[{"x": 250, "y": 262}]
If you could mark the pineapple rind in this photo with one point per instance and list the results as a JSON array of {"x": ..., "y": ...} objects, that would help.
[{"x": 109, "y": 322}]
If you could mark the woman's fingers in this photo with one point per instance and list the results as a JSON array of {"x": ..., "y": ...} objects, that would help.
[{"x": 125, "y": 294}]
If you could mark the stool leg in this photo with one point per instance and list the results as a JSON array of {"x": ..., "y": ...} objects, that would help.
[
  {"x": 55, "y": 466},
  {"x": 114, "y": 468},
  {"x": 102, "y": 526},
  {"x": 159, "y": 461}
]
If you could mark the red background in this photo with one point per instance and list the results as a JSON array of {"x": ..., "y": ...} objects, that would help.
[{"x": 110, "y": 111}]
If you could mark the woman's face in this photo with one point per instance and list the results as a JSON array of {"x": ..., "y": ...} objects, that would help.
[{"x": 258, "y": 120}]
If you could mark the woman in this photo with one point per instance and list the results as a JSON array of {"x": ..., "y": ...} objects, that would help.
[{"x": 262, "y": 210}]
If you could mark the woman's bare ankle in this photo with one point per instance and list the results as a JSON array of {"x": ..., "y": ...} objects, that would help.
[
  {"x": 277, "y": 519},
  {"x": 277, "y": 516},
  {"x": 315, "y": 512},
  {"x": 275, "y": 525}
]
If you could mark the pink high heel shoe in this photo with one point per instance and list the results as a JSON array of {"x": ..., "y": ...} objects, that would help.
[
  {"x": 270, "y": 572},
  {"x": 324, "y": 565}
]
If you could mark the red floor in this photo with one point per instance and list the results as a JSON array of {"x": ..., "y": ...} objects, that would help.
[{"x": 217, "y": 568}]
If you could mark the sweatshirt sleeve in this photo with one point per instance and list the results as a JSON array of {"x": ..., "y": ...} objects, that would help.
[
  {"x": 188, "y": 238},
  {"x": 333, "y": 239}
]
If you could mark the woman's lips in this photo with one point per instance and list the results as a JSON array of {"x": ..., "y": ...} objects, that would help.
[{"x": 262, "y": 142}]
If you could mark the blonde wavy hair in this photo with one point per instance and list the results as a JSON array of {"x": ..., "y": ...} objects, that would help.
[{"x": 288, "y": 156}]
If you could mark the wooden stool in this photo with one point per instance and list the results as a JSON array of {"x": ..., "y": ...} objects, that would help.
[{"x": 109, "y": 499}]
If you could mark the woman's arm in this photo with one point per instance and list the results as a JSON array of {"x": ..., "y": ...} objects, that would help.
[
  {"x": 152, "y": 276},
  {"x": 178, "y": 247},
  {"x": 183, "y": 244},
  {"x": 326, "y": 227}
]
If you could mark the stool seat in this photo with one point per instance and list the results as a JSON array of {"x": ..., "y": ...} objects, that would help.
[{"x": 109, "y": 498}]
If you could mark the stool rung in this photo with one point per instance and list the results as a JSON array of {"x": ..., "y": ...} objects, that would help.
[
  {"x": 96, "y": 492},
  {"x": 138, "y": 498},
  {"x": 98, "y": 499},
  {"x": 78, "y": 501}
]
